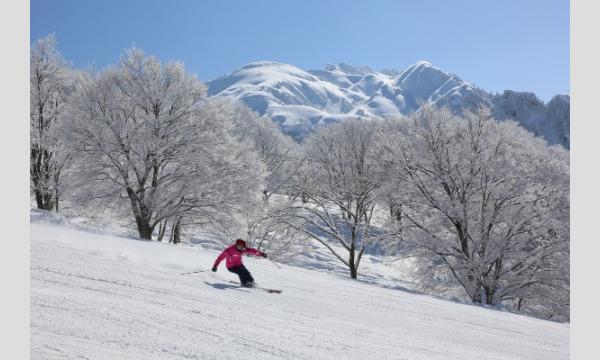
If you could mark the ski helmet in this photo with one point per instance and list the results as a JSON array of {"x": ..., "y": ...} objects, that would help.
[{"x": 240, "y": 243}]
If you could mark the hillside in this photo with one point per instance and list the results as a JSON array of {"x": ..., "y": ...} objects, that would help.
[{"x": 105, "y": 297}]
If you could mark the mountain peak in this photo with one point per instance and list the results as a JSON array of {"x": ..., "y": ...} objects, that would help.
[
  {"x": 266, "y": 63},
  {"x": 423, "y": 66},
  {"x": 423, "y": 63}
]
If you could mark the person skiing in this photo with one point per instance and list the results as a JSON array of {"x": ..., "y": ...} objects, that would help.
[{"x": 233, "y": 255}]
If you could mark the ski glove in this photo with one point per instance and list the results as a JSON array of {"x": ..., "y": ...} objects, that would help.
[
  {"x": 214, "y": 269},
  {"x": 263, "y": 255}
]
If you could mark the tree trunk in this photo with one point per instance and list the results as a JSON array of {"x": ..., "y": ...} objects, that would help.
[
  {"x": 162, "y": 227},
  {"x": 352, "y": 262},
  {"x": 39, "y": 171},
  {"x": 489, "y": 296},
  {"x": 57, "y": 194},
  {"x": 519, "y": 304},
  {"x": 172, "y": 231},
  {"x": 476, "y": 297},
  {"x": 144, "y": 229},
  {"x": 177, "y": 231},
  {"x": 474, "y": 289},
  {"x": 141, "y": 214},
  {"x": 43, "y": 200},
  {"x": 483, "y": 295},
  {"x": 396, "y": 213},
  {"x": 353, "y": 273}
]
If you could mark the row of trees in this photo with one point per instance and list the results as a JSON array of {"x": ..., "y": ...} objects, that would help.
[
  {"x": 482, "y": 204},
  {"x": 143, "y": 136}
]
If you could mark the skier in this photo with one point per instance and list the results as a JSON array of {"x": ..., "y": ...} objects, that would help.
[{"x": 233, "y": 254}]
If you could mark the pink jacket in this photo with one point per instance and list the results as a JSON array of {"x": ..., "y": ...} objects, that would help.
[{"x": 234, "y": 257}]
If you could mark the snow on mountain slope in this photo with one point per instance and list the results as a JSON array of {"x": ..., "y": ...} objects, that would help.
[
  {"x": 103, "y": 297},
  {"x": 301, "y": 100},
  {"x": 292, "y": 97}
]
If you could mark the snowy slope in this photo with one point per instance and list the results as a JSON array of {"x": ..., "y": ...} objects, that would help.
[
  {"x": 300, "y": 100},
  {"x": 103, "y": 297}
]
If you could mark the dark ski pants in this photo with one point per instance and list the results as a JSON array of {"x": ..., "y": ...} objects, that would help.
[{"x": 243, "y": 273}]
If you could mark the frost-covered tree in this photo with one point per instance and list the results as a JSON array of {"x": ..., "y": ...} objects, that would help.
[
  {"x": 278, "y": 152},
  {"x": 49, "y": 82},
  {"x": 232, "y": 193},
  {"x": 341, "y": 188},
  {"x": 485, "y": 200},
  {"x": 264, "y": 224},
  {"x": 144, "y": 133}
]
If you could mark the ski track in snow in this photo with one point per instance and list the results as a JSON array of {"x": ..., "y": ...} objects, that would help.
[{"x": 103, "y": 297}]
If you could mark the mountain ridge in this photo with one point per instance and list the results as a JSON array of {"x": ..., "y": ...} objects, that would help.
[{"x": 300, "y": 100}]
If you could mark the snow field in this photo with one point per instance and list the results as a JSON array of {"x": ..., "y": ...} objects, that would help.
[{"x": 102, "y": 297}]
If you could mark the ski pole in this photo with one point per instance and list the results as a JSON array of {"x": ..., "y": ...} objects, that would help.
[
  {"x": 194, "y": 272},
  {"x": 274, "y": 263}
]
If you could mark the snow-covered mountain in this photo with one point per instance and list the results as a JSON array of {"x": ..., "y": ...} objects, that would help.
[{"x": 300, "y": 100}]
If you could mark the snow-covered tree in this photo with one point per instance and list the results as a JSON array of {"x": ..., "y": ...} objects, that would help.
[
  {"x": 341, "y": 187},
  {"x": 49, "y": 82},
  {"x": 264, "y": 224},
  {"x": 240, "y": 174},
  {"x": 485, "y": 200},
  {"x": 144, "y": 133},
  {"x": 278, "y": 152}
]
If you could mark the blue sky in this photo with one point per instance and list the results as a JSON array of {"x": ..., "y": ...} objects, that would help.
[{"x": 497, "y": 45}]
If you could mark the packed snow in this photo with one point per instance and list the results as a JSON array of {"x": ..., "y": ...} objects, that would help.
[{"x": 101, "y": 296}]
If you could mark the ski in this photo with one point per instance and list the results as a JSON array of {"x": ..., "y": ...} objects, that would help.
[{"x": 272, "y": 291}]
